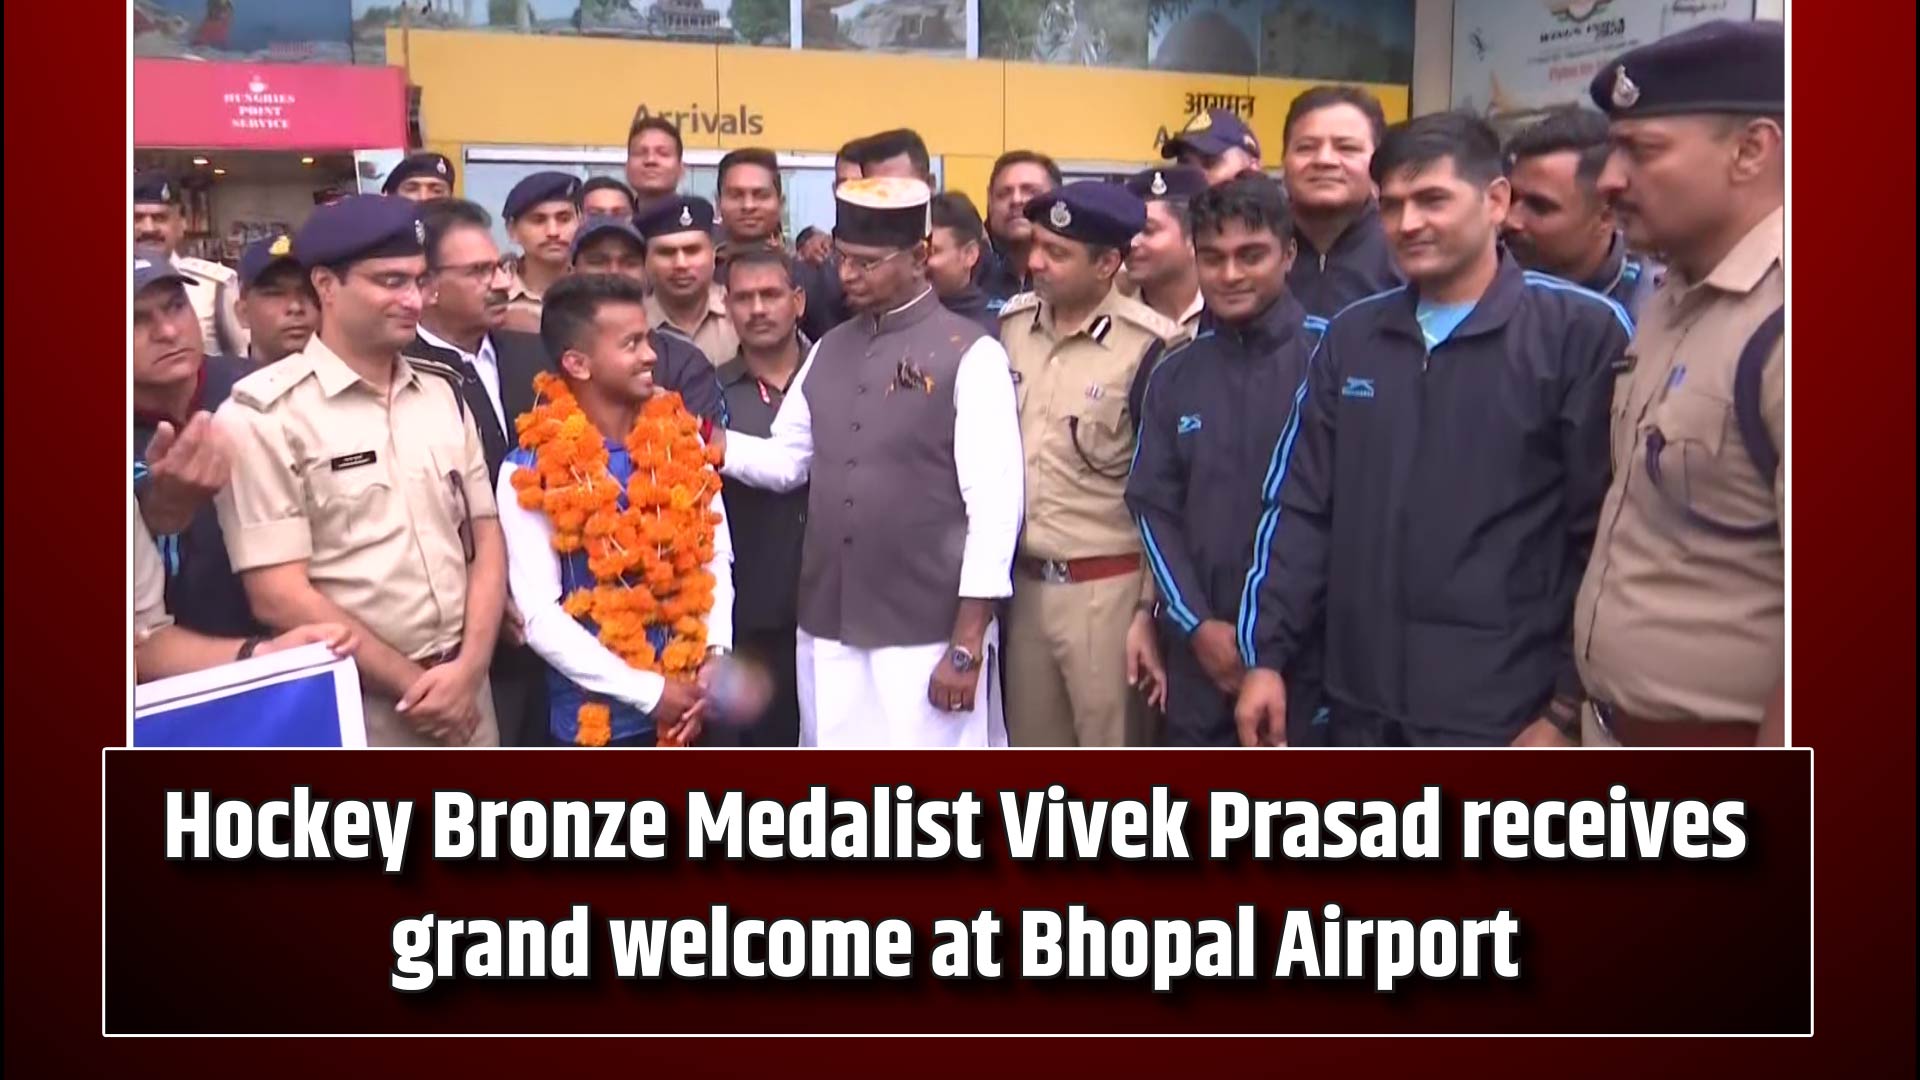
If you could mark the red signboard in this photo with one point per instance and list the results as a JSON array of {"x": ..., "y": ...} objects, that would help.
[{"x": 268, "y": 106}]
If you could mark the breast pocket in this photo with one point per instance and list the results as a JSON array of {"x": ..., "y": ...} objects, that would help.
[
  {"x": 353, "y": 498},
  {"x": 1100, "y": 435},
  {"x": 1690, "y": 460}
]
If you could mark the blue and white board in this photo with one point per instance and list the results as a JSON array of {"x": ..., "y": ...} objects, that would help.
[{"x": 303, "y": 697}]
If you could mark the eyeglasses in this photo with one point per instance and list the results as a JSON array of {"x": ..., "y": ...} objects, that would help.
[
  {"x": 397, "y": 281},
  {"x": 465, "y": 523},
  {"x": 861, "y": 267},
  {"x": 479, "y": 271}
]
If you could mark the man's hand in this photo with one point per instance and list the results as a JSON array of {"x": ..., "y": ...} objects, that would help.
[
  {"x": 183, "y": 472},
  {"x": 1260, "y": 716},
  {"x": 513, "y": 627},
  {"x": 444, "y": 702},
  {"x": 677, "y": 720},
  {"x": 1219, "y": 655},
  {"x": 340, "y": 638},
  {"x": 950, "y": 689},
  {"x": 1145, "y": 672},
  {"x": 1542, "y": 733}
]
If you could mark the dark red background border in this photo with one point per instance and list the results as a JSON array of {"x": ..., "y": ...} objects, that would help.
[{"x": 1852, "y": 544}]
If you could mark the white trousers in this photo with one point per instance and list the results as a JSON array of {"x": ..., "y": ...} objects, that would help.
[{"x": 865, "y": 698}]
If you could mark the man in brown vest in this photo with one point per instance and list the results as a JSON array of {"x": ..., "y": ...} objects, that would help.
[{"x": 903, "y": 418}]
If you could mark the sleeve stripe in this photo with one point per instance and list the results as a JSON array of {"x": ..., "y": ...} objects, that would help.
[
  {"x": 1269, "y": 521},
  {"x": 1164, "y": 577}
]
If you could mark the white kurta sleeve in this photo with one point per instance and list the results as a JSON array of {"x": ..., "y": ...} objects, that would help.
[
  {"x": 720, "y": 619},
  {"x": 782, "y": 460},
  {"x": 533, "y": 576},
  {"x": 987, "y": 458}
]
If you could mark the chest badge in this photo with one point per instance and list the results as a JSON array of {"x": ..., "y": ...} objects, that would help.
[
  {"x": 1095, "y": 391},
  {"x": 352, "y": 461},
  {"x": 1357, "y": 387},
  {"x": 1189, "y": 424}
]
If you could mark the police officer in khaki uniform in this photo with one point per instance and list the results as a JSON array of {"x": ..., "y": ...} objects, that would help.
[
  {"x": 1075, "y": 345},
  {"x": 159, "y": 220},
  {"x": 360, "y": 492},
  {"x": 1680, "y": 621},
  {"x": 1161, "y": 260},
  {"x": 685, "y": 298},
  {"x": 542, "y": 213}
]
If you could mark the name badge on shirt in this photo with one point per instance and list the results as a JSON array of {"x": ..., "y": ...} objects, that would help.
[{"x": 352, "y": 461}]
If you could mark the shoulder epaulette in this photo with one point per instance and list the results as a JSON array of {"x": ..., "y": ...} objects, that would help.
[
  {"x": 262, "y": 388},
  {"x": 1018, "y": 303}
]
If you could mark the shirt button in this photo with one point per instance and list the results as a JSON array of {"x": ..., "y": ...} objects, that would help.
[
  {"x": 847, "y": 540},
  {"x": 856, "y": 425},
  {"x": 860, "y": 389},
  {"x": 850, "y": 464}
]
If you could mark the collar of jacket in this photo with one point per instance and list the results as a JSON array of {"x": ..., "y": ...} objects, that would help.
[
  {"x": 1490, "y": 312},
  {"x": 1356, "y": 230},
  {"x": 1282, "y": 320},
  {"x": 908, "y": 314}
]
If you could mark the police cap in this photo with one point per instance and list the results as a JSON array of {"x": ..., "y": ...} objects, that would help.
[
  {"x": 1090, "y": 211},
  {"x": 154, "y": 186},
  {"x": 675, "y": 214},
  {"x": 538, "y": 188},
  {"x": 152, "y": 266},
  {"x": 1172, "y": 182},
  {"x": 1716, "y": 67},
  {"x": 600, "y": 225},
  {"x": 435, "y": 166},
  {"x": 360, "y": 227},
  {"x": 264, "y": 254},
  {"x": 1211, "y": 134}
]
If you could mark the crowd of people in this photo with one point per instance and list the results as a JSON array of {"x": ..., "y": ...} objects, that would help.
[{"x": 1430, "y": 440}]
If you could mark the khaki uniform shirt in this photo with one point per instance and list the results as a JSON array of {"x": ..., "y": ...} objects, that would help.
[
  {"x": 149, "y": 582},
  {"x": 714, "y": 335},
  {"x": 1677, "y": 620},
  {"x": 1076, "y": 430},
  {"x": 523, "y": 305},
  {"x": 214, "y": 291},
  {"x": 371, "y": 490}
]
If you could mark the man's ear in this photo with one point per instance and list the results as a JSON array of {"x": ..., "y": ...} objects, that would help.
[
  {"x": 1499, "y": 200},
  {"x": 573, "y": 364}
]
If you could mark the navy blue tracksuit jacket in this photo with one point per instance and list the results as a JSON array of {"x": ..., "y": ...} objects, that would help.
[
  {"x": 1211, "y": 414},
  {"x": 1439, "y": 510}
]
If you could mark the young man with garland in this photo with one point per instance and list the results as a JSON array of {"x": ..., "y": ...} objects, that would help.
[{"x": 617, "y": 545}]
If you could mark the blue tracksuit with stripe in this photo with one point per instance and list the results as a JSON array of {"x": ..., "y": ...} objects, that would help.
[
  {"x": 1438, "y": 508},
  {"x": 1211, "y": 413}
]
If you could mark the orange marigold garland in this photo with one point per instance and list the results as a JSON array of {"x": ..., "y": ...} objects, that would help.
[{"x": 648, "y": 560}]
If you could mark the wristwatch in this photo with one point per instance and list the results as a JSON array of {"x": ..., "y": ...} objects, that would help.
[{"x": 962, "y": 658}]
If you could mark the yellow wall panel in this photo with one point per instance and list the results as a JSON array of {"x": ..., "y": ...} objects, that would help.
[
  {"x": 819, "y": 100},
  {"x": 554, "y": 91},
  {"x": 1104, "y": 114}
]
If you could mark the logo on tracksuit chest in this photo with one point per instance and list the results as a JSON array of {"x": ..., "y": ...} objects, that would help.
[
  {"x": 1189, "y": 424},
  {"x": 1357, "y": 387}
]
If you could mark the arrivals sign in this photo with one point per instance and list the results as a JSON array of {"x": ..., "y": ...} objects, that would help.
[{"x": 267, "y": 106}]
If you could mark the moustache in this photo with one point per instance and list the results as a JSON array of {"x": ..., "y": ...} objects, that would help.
[{"x": 496, "y": 298}]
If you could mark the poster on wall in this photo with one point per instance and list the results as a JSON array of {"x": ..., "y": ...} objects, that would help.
[
  {"x": 925, "y": 27},
  {"x": 699, "y": 22},
  {"x": 1516, "y": 59},
  {"x": 1091, "y": 33},
  {"x": 278, "y": 31}
]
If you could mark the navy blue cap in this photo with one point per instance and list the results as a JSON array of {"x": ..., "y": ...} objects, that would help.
[
  {"x": 427, "y": 164},
  {"x": 263, "y": 254},
  {"x": 675, "y": 214},
  {"x": 360, "y": 227},
  {"x": 1716, "y": 67},
  {"x": 1172, "y": 182},
  {"x": 538, "y": 188},
  {"x": 151, "y": 266},
  {"x": 153, "y": 186},
  {"x": 600, "y": 225},
  {"x": 1211, "y": 134},
  {"x": 1090, "y": 211}
]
